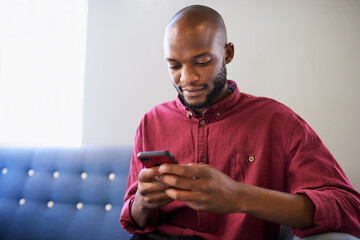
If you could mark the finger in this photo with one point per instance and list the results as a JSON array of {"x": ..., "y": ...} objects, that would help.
[
  {"x": 156, "y": 197},
  {"x": 148, "y": 174},
  {"x": 155, "y": 200},
  {"x": 183, "y": 195},
  {"x": 178, "y": 182},
  {"x": 150, "y": 187},
  {"x": 194, "y": 170}
]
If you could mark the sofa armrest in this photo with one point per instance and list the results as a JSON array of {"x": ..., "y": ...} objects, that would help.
[{"x": 286, "y": 234}]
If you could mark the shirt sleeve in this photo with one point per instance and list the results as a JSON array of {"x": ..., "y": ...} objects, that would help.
[
  {"x": 126, "y": 219},
  {"x": 314, "y": 172}
]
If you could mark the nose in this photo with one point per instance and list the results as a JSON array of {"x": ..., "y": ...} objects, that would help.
[{"x": 188, "y": 75}]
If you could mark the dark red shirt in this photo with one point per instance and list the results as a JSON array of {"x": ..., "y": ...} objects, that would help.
[{"x": 256, "y": 141}]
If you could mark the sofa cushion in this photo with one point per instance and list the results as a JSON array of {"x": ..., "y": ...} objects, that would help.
[{"x": 63, "y": 193}]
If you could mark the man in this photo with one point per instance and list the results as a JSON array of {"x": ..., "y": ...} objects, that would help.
[{"x": 247, "y": 164}]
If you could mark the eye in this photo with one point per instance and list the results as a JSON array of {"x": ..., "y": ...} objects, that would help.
[
  {"x": 175, "y": 67},
  {"x": 203, "y": 64}
]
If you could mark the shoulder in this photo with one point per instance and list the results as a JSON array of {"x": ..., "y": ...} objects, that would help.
[
  {"x": 279, "y": 115},
  {"x": 265, "y": 105}
]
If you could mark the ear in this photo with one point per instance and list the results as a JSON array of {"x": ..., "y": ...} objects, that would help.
[{"x": 229, "y": 52}]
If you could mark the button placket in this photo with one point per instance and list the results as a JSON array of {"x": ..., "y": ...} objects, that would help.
[{"x": 201, "y": 143}]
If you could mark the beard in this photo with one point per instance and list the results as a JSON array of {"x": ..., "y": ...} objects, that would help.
[{"x": 219, "y": 83}]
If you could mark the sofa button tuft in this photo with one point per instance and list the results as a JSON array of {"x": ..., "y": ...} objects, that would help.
[
  {"x": 4, "y": 171},
  {"x": 31, "y": 172},
  {"x": 84, "y": 175},
  {"x": 112, "y": 176},
  {"x": 108, "y": 207},
  {"x": 22, "y": 201},
  {"x": 79, "y": 206},
  {"x": 50, "y": 204},
  {"x": 56, "y": 174}
]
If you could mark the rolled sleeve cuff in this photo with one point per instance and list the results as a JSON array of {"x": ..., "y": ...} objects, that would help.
[
  {"x": 327, "y": 216},
  {"x": 129, "y": 224}
]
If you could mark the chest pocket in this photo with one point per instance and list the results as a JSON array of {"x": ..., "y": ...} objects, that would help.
[{"x": 244, "y": 168}]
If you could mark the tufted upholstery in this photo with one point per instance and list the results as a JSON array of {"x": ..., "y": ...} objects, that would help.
[{"x": 63, "y": 193}]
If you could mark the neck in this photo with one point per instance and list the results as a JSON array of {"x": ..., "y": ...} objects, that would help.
[{"x": 225, "y": 92}]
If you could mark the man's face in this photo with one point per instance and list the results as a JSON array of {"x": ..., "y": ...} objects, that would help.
[{"x": 196, "y": 65}]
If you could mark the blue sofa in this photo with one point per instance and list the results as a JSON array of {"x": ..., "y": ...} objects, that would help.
[
  {"x": 68, "y": 194},
  {"x": 63, "y": 193}
]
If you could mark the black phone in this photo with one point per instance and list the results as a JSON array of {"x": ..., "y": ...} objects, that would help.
[{"x": 155, "y": 158}]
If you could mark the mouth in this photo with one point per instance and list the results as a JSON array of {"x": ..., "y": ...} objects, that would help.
[{"x": 193, "y": 92}]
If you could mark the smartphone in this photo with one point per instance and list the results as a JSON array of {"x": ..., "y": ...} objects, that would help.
[{"x": 155, "y": 158}]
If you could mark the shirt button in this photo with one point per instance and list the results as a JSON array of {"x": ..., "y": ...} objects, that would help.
[
  {"x": 251, "y": 159},
  {"x": 202, "y": 122},
  {"x": 218, "y": 114}
]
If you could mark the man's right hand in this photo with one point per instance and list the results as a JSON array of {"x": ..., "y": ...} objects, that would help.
[{"x": 150, "y": 195}]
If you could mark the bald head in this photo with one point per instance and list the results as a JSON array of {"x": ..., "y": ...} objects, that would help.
[
  {"x": 197, "y": 18},
  {"x": 196, "y": 50}
]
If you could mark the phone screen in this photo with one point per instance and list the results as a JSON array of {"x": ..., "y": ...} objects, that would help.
[{"x": 156, "y": 158}]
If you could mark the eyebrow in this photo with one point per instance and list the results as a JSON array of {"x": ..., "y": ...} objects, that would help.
[
  {"x": 201, "y": 55},
  {"x": 194, "y": 57}
]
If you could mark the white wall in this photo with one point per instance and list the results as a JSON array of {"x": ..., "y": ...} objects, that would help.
[{"x": 305, "y": 54}]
